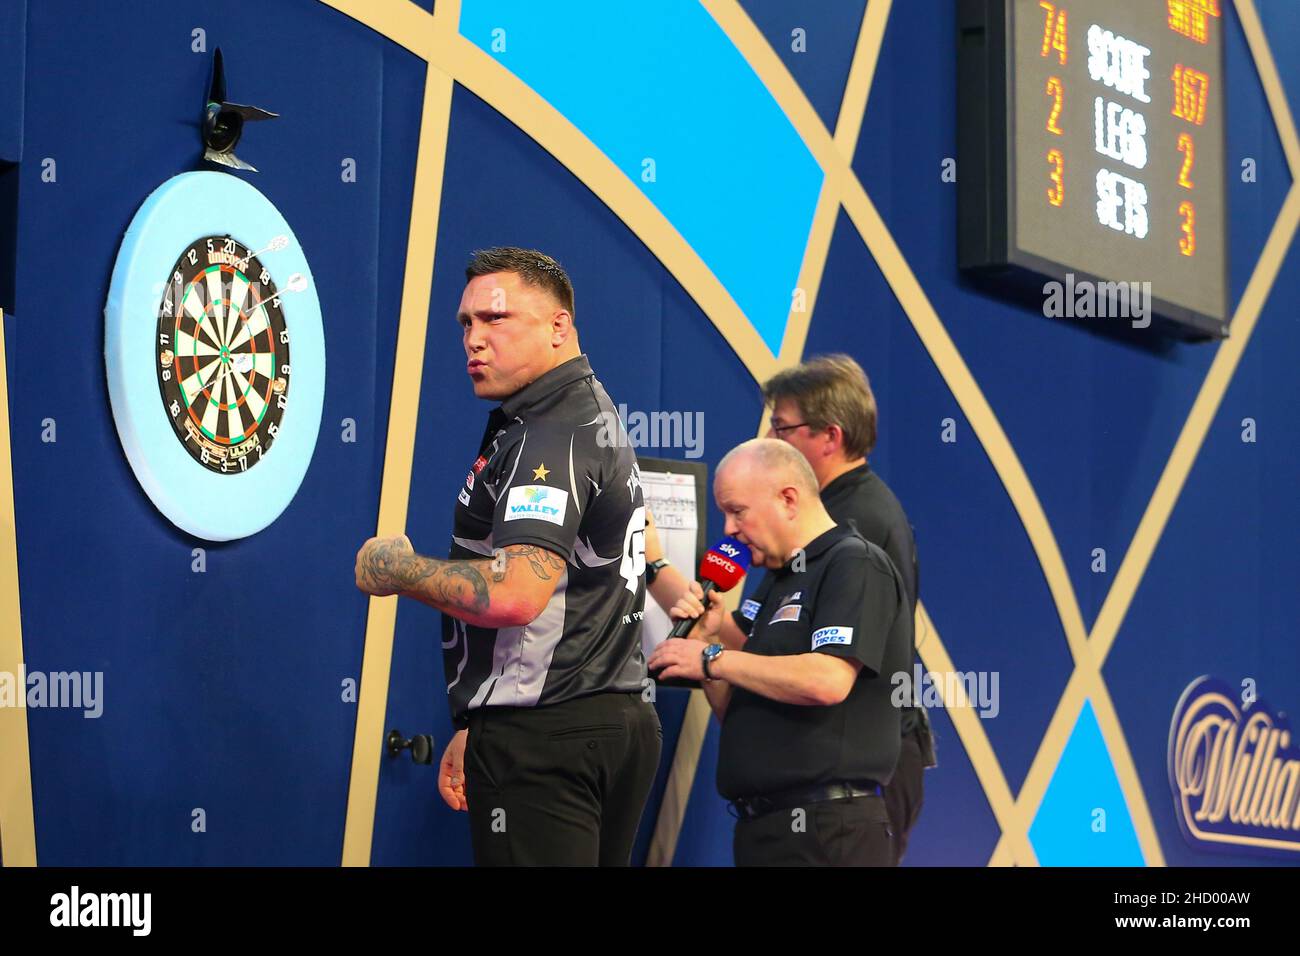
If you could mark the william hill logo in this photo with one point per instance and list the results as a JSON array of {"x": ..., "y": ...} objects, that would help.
[{"x": 1234, "y": 771}]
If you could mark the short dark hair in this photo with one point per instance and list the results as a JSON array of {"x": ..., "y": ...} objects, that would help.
[
  {"x": 830, "y": 390},
  {"x": 535, "y": 268}
]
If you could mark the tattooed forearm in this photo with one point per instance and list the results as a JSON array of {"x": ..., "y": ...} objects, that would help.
[
  {"x": 460, "y": 584},
  {"x": 508, "y": 589},
  {"x": 545, "y": 564}
]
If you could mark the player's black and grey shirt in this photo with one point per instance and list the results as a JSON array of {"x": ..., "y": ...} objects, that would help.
[{"x": 552, "y": 471}]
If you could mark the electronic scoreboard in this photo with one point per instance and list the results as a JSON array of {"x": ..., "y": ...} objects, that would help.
[{"x": 1091, "y": 149}]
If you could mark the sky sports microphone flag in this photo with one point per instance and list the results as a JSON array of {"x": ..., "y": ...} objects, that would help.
[{"x": 721, "y": 569}]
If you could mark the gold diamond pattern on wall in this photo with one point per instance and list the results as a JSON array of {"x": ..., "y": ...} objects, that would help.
[
  {"x": 451, "y": 58},
  {"x": 434, "y": 37}
]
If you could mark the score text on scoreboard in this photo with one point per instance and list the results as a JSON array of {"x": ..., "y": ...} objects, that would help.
[{"x": 1092, "y": 148}]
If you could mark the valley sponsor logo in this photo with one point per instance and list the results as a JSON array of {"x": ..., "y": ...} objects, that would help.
[
  {"x": 537, "y": 501},
  {"x": 1234, "y": 771}
]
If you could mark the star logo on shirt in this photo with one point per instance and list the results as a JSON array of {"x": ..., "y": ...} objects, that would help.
[{"x": 541, "y": 471}]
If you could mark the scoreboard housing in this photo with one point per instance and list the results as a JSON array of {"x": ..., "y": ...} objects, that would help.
[{"x": 1091, "y": 150}]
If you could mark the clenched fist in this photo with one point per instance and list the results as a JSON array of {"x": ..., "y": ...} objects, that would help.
[{"x": 382, "y": 564}]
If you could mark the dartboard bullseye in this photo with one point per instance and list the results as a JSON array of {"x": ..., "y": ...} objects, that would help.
[
  {"x": 210, "y": 293},
  {"x": 223, "y": 355}
]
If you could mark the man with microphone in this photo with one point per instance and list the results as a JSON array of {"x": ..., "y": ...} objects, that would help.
[
  {"x": 809, "y": 732},
  {"x": 543, "y": 592},
  {"x": 825, "y": 408}
]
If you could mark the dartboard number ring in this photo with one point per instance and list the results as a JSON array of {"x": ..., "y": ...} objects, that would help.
[{"x": 223, "y": 355}]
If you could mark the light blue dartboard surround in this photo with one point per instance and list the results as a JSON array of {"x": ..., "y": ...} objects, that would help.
[{"x": 208, "y": 505}]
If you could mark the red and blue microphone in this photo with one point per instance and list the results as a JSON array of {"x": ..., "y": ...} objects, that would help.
[{"x": 721, "y": 569}]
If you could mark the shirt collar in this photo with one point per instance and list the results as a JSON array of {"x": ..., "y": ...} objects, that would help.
[
  {"x": 823, "y": 542},
  {"x": 574, "y": 370},
  {"x": 848, "y": 479}
]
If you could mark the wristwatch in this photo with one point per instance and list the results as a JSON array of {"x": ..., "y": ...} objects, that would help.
[
  {"x": 708, "y": 655},
  {"x": 652, "y": 570}
]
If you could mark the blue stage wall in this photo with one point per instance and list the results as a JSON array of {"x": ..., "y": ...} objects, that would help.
[{"x": 223, "y": 689}]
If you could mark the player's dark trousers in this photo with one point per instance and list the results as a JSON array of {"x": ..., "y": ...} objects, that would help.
[
  {"x": 562, "y": 785},
  {"x": 852, "y": 832},
  {"x": 904, "y": 793}
]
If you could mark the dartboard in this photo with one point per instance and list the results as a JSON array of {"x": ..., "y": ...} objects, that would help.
[
  {"x": 223, "y": 354},
  {"x": 210, "y": 292}
]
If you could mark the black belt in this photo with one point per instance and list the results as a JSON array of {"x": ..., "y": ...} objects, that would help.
[{"x": 747, "y": 808}]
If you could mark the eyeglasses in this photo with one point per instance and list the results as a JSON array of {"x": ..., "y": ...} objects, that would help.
[{"x": 785, "y": 428}]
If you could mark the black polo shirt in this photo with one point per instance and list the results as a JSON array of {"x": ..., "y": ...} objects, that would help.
[
  {"x": 847, "y": 601},
  {"x": 553, "y": 470},
  {"x": 860, "y": 499}
]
